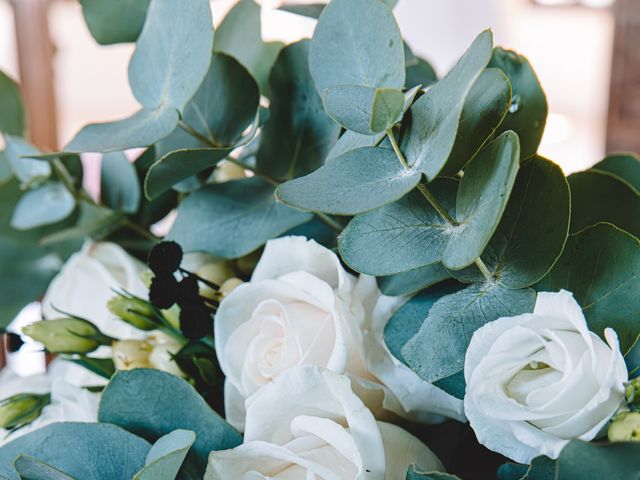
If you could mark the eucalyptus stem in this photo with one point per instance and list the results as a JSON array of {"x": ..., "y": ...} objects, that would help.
[
  {"x": 140, "y": 231},
  {"x": 64, "y": 175},
  {"x": 197, "y": 135},
  {"x": 327, "y": 219},
  {"x": 433, "y": 201}
]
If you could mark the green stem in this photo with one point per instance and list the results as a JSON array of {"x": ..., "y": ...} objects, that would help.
[
  {"x": 485, "y": 270},
  {"x": 396, "y": 148},
  {"x": 64, "y": 175},
  {"x": 140, "y": 231},
  {"x": 327, "y": 219},
  {"x": 196, "y": 134}
]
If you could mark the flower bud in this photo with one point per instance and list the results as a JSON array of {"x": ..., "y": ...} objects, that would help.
[
  {"x": 632, "y": 391},
  {"x": 625, "y": 427},
  {"x": 67, "y": 335},
  {"x": 22, "y": 409},
  {"x": 229, "y": 285},
  {"x": 130, "y": 354},
  {"x": 172, "y": 316},
  {"x": 134, "y": 311},
  {"x": 214, "y": 272},
  {"x": 163, "y": 349}
]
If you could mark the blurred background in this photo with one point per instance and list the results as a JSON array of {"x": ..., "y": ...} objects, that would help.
[{"x": 585, "y": 53}]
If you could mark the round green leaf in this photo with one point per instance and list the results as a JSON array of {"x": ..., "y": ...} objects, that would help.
[
  {"x": 28, "y": 170},
  {"x": 601, "y": 266},
  {"x": 623, "y": 165},
  {"x": 528, "y": 112},
  {"x": 12, "y": 121},
  {"x": 47, "y": 204},
  {"x": 406, "y": 283},
  {"x": 232, "y": 219},
  {"x": 533, "y": 230},
  {"x": 166, "y": 456},
  {"x": 119, "y": 184},
  {"x": 581, "y": 460},
  {"x": 151, "y": 403},
  {"x": 436, "y": 115},
  {"x": 355, "y": 182},
  {"x": 598, "y": 196},
  {"x": 357, "y": 42},
  {"x": 299, "y": 134},
  {"x": 81, "y": 450},
  {"x": 114, "y": 21}
]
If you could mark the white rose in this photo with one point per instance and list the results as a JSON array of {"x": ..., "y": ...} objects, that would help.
[
  {"x": 88, "y": 281},
  {"x": 68, "y": 402},
  {"x": 308, "y": 423},
  {"x": 536, "y": 381},
  {"x": 302, "y": 307}
]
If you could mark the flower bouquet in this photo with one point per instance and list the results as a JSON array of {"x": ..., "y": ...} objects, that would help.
[{"x": 368, "y": 272}]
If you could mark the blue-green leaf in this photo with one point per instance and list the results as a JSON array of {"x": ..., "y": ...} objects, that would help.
[
  {"x": 411, "y": 281},
  {"x": 617, "y": 461},
  {"x": 528, "y": 112},
  {"x": 601, "y": 266},
  {"x": 299, "y": 134},
  {"x": 232, "y": 219},
  {"x": 114, "y": 21},
  {"x": 414, "y": 474},
  {"x": 623, "y": 165},
  {"x": 12, "y": 120},
  {"x": 355, "y": 182},
  {"x": 435, "y": 116},
  {"x": 27, "y": 170},
  {"x": 357, "y": 42},
  {"x": 44, "y": 205},
  {"x": 151, "y": 403},
  {"x": 599, "y": 196},
  {"x": 119, "y": 184},
  {"x": 81, "y": 450},
  {"x": 365, "y": 110},
  {"x": 239, "y": 35},
  {"x": 30, "y": 468},
  {"x": 166, "y": 456},
  {"x": 437, "y": 351}
]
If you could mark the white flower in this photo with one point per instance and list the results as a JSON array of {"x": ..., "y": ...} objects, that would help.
[
  {"x": 68, "y": 402},
  {"x": 302, "y": 307},
  {"x": 536, "y": 381},
  {"x": 308, "y": 423},
  {"x": 89, "y": 280}
]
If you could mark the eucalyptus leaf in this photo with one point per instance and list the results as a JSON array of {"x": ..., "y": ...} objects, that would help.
[
  {"x": 44, "y": 205},
  {"x": 119, "y": 184},
  {"x": 481, "y": 200},
  {"x": 484, "y": 109},
  {"x": 350, "y": 140},
  {"x": 172, "y": 57},
  {"x": 401, "y": 236},
  {"x": 299, "y": 134},
  {"x": 166, "y": 456},
  {"x": 365, "y": 110},
  {"x": 623, "y": 165},
  {"x": 239, "y": 35},
  {"x": 597, "y": 196},
  {"x": 5, "y": 169},
  {"x": 225, "y": 104},
  {"x": 311, "y": 10},
  {"x": 12, "y": 120},
  {"x": 114, "y": 21},
  {"x": 27, "y": 170},
  {"x": 30, "y": 468},
  {"x": 180, "y": 165},
  {"x": 616, "y": 461},
  {"x": 601, "y": 267},
  {"x": 357, "y": 42},
  {"x": 407, "y": 320},
  {"x": 151, "y": 403},
  {"x": 533, "y": 230},
  {"x": 142, "y": 129},
  {"x": 420, "y": 72},
  {"x": 436, "y": 115},
  {"x": 355, "y": 182},
  {"x": 411, "y": 281},
  {"x": 232, "y": 219},
  {"x": 528, "y": 112},
  {"x": 437, "y": 351},
  {"x": 93, "y": 221},
  {"x": 81, "y": 450}
]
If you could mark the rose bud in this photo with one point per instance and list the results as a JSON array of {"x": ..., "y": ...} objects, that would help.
[
  {"x": 67, "y": 335},
  {"x": 625, "y": 428},
  {"x": 164, "y": 347},
  {"x": 134, "y": 311},
  {"x": 21, "y": 409},
  {"x": 214, "y": 272},
  {"x": 130, "y": 354}
]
